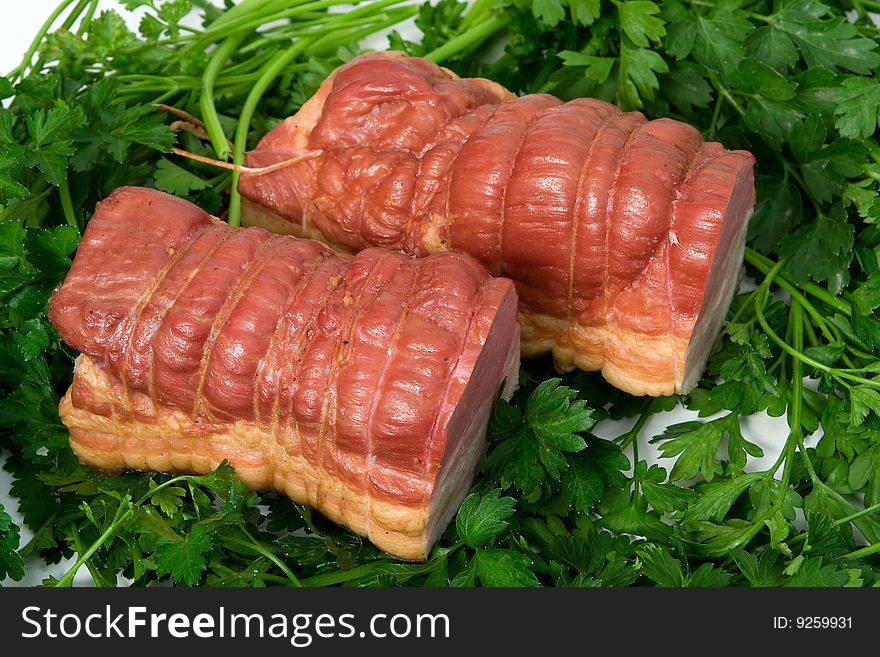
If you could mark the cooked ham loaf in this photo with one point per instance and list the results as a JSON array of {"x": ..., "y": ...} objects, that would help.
[
  {"x": 624, "y": 236},
  {"x": 359, "y": 385}
]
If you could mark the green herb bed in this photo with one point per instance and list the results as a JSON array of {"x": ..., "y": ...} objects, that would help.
[{"x": 555, "y": 504}]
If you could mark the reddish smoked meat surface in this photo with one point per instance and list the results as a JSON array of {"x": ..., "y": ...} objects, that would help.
[
  {"x": 624, "y": 236},
  {"x": 360, "y": 384}
]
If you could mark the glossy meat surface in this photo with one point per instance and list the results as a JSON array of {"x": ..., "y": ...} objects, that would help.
[
  {"x": 608, "y": 223},
  {"x": 360, "y": 385}
]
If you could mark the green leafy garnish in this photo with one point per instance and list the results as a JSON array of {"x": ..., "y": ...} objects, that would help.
[{"x": 568, "y": 493}]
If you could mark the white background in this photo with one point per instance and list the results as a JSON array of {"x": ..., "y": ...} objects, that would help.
[
  {"x": 17, "y": 29},
  {"x": 20, "y": 20}
]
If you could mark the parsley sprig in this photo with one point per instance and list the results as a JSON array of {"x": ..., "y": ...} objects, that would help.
[{"x": 566, "y": 495}]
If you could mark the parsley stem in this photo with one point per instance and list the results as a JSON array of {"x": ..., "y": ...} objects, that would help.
[
  {"x": 630, "y": 436},
  {"x": 824, "y": 490},
  {"x": 868, "y": 531},
  {"x": 122, "y": 514},
  {"x": 119, "y": 517},
  {"x": 463, "y": 41},
  {"x": 75, "y": 12},
  {"x": 229, "y": 576},
  {"x": 206, "y": 95},
  {"x": 398, "y": 14},
  {"x": 379, "y": 567},
  {"x": 859, "y": 9},
  {"x": 77, "y": 542},
  {"x": 858, "y": 514},
  {"x": 270, "y": 72},
  {"x": 477, "y": 10},
  {"x": 744, "y": 306},
  {"x": 873, "y": 148},
  {"x": 211, "y": 35},
  {"x": 636, "y": 483},
  {"x": 250, "y": 66},
  {"x": 837, "y": 373},
  {"x": 771, "y": 471},
  {"x": 792, "y": 172},
  {"x": 259, "y": 548},
  {"x": 67, "y": 202},
  {"x": 339, "y": 576},
  {"x": 785, "y": 459},
  {"x": 764, "y": 265},
  {"x": 725, "y": 92},
  {"x": 811, "y": 471},
  {"x": 863, "y": 552},
  {"x": 797, "y": 297},
  {"x": 716, "y": 113},
  {"x": 332, "y": 39},
  {"x": 874, "y": 6},
  {"x": 796, "y": 404},
  {"x": 86, "y": 23},
  {"x": 244, "y": 8},
  {"x": 809, "y": 334}
]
